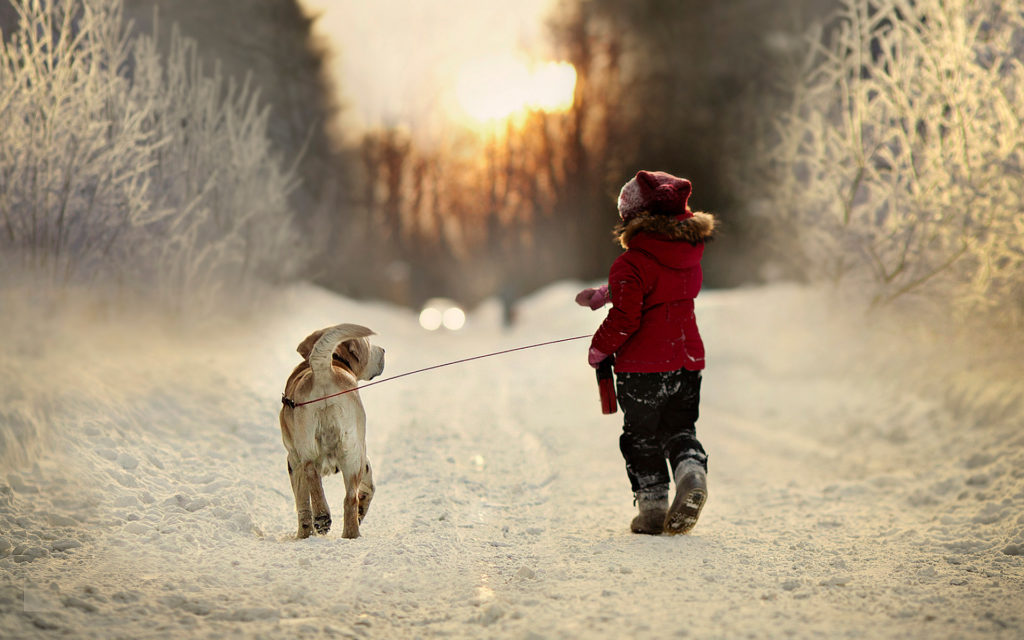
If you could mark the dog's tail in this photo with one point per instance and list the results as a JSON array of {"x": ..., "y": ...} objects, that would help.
[{"x": 321, "y": 355}]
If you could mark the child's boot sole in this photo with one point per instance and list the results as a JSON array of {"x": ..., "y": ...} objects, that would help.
[{"x": 682, "y": 515}]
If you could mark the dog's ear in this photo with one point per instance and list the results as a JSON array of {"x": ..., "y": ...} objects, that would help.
[
  {"x": 306, "y": 346},
  {"x": 357, "y": 354}
]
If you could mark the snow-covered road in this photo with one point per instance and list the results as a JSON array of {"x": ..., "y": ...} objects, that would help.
[{"x": 143, "y": 490}]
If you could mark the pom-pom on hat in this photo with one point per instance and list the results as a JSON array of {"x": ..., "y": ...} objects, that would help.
[{"x": 656, "y": 192}]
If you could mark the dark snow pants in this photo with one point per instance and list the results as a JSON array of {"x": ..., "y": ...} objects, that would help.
[{"x": 661, "y": 411}]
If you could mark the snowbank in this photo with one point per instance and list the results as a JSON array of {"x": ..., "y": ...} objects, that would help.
[{"x": 143, "y": 490}]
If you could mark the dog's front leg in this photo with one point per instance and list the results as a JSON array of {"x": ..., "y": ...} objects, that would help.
[
  {"x": 321, "y": 513},
  {"x": 301, "y": 490}
]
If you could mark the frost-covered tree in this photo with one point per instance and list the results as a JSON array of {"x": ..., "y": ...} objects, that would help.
[
  {"x": 122, "y": 165},
  {"x": 900, "y": 161}
]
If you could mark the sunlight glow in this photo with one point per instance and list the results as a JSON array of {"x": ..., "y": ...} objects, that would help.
[{"x": 497, "y": 88}]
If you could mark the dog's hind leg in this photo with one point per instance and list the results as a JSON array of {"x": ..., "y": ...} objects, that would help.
[
  {"x": 301, "y": 490},
  {"x": 350, "y": 519},
  {"x": 321, "y": 512}
]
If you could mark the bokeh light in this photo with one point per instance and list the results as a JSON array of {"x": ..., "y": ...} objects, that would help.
[{"x": 431, "y": 319}]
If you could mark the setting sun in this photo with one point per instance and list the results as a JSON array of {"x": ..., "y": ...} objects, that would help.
[{"x": 498, "y": 88}]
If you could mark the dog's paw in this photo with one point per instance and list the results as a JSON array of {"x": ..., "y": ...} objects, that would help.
[{"x": 322, "y": 524}]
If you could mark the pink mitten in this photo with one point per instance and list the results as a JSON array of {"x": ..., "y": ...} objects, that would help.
[
  {"x": 583, "y": 297},
  {"x": 595, "y": 357},
  {"x": 595, "y": 298}
]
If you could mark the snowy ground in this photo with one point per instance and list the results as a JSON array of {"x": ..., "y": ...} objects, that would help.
[{"x": 143, "y": 490}]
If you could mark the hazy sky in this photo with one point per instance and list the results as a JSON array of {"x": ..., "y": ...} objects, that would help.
[{"x": 396, "y": 61}]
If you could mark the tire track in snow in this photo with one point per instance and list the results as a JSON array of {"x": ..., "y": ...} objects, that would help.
[{"x": 482, "y": 470}]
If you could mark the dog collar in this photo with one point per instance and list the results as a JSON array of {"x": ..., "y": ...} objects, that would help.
[{"x": 288, "y": 402}]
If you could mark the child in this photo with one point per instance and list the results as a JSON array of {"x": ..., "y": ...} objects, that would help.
[{"x": 652, "y": 332}]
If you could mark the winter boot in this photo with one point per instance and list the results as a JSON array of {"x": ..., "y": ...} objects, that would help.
[
  {"x": 653, "y": 504},
  {"x": 691, "y": 493}
]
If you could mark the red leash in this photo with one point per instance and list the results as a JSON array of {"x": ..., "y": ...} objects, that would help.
[{"x": 288, "y": 402}]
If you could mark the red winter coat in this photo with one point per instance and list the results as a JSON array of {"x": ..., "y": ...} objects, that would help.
[{"x": 651, "y": 326}]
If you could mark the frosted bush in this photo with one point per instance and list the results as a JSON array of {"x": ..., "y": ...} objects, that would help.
[
  {"x": 118, "y": 165},
  {"x": 900, "y": 161}
]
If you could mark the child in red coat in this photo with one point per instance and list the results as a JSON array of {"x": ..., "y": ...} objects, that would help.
[{"x": 651, "y": 330}]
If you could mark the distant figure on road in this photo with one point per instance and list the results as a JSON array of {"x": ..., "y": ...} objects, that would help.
[{"x": 651, "y": 331}]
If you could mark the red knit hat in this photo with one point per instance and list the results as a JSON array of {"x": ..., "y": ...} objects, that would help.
[{"x": 656, "y": 192}]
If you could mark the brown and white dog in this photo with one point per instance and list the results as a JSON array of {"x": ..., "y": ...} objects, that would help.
[{"x": 329, "y": 435}]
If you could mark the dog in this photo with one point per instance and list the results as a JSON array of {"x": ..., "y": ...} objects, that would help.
[{"x": 328, "y": 435}]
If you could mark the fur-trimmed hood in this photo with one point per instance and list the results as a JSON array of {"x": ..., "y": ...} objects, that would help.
[{"x": 694, "y": 229}]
